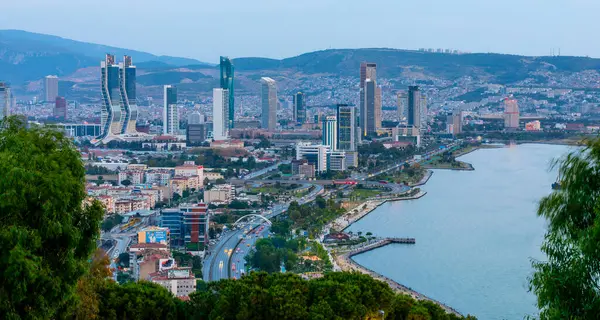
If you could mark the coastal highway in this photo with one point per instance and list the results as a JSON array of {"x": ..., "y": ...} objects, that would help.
[{"x": 218, "y": 262}]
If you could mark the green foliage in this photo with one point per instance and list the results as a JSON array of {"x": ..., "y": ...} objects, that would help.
[
  {"x": 286, "y": 296},
  {"x": 126, "y": 182},
  {"x": 141, "y": 300},
  {"x": 96, "y": 170},
  {"x": 566, "y": 284},
  {"x": 124, "y": 260},
  {"x": 111, "y": 221},
  {"x": 46, "y": 234}
]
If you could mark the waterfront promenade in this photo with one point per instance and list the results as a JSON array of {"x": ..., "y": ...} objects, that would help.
[{"x": 365, "y": 208}]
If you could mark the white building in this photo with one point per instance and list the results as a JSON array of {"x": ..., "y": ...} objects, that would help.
[
  {"x": 4, "y": 100},
  {"x": 180, "y": 281},
  {"x": 50, "y": 88},
  {"x": 269, "y": 103},
  {"x": 322, "y": 157},
  {"x": 170, "y": 113},
  {"x": 330, "y": 132},
  {"x": 220, "y": 114}
]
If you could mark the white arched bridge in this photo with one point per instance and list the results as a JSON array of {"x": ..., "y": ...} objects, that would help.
[{"x": 251, "y": 219}]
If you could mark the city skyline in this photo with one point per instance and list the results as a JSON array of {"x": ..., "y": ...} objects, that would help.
[{"x": 450, "y": 26}]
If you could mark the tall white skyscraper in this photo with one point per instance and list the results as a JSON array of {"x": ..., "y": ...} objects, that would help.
[
  {"x": 50, "y": 88},
  {"x": 330, "y": 132},
  {"x": 170, "y": 113},
  {"x": 269, "y": 103},
  {"x": 220, "y": 114},
  {"x": 5, "y": 100}
]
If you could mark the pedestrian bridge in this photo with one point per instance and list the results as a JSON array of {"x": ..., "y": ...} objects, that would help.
[{"x": 251, "y": 219}]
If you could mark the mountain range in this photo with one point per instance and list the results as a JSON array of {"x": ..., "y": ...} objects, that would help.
[{"x": 27, "y": 57}]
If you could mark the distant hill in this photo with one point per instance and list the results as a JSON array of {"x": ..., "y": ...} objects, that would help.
[
  {"x": 27, "y": 56},
  {"x": 500, "y": 68}
]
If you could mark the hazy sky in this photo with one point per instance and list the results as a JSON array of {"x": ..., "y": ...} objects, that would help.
[{"x": 205, "y": 29}]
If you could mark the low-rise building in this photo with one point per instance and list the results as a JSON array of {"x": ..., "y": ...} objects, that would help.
[
  {"x": 224, "y": 193},
  {"x": 179, "y": 281}
]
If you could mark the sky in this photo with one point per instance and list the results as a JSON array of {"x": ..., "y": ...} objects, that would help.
[{"x": 206, "y": 29}]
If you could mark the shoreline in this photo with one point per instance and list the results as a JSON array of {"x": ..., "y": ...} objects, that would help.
[
  {"x": 346, "y": 220},
  {"x": 346, "y": 263}
]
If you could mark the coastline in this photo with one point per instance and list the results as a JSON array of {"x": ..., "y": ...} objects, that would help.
[{"x": 346, "y": 263}]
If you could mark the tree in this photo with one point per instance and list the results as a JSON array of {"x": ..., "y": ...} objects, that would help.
[
  {"x": 566, "y": 283},
  {"x": 124, "y": 259},
  {"x": 137, "y": 300},
  {"x": 126, "y": 182},
  {"x": 176, "y": 196},
  {"x": 46, "y": 233},
  {"x": 89, "y": 285}
]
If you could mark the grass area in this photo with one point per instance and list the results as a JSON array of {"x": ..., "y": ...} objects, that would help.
[
  {"x": 410, "y": 176},
  {"x": 361, "y": 193}
]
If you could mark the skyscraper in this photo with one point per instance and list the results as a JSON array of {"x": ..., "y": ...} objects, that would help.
[
  {"x": 170, "y": 112},
  {"x": 330, "y": 132},
  {"x": 127, "y": 82},
  {"x": 50, "y": 88},
  {"x": 60, "y": 108},
  {"x": 413, "y": 116},
  {"x": 370, "y": 99},
  {"x": 299, "y": 108},
  {"x": 269, "y": 103},
  {"x": 111, "y": 96},
  {"x": 346, "y": 129},
  {"x": 227, "y": 83},
  {"x": 370, "y": 115},
  {"x": 511, "y": 113},
  {"x": 368, "y": 70},
  {"x": 220, "y": 113},
  {"x": 119, "y": 110},
  {"x": 402, "y": 104},
  {"x": 4, "y": 100}
]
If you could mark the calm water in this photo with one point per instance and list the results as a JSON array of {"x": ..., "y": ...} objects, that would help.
[{"x": 476, "y": 232}]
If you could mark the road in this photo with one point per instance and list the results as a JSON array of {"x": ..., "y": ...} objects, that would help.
[
  {"x": 260, "y": 172},
  {"x": 218, "y": 262}
]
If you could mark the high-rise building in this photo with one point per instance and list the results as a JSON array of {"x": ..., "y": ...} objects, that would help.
[
  {"x": 414, "y": 107},
  {"x": 195, "y": 222},
  {"x": 227, "y": 83},
  {"x": 111, "y": 96},
  {"x": 127, "y": 82},
  {"x": 220, "y": 114},
  {"x": 511, "y": 113},
  {"x": 269, "y": 103},
  {"x": 402, "y": 104},
  {"x": 170, "y": 112},
  {"x": 4, "y": 100},
  {"x": 299, "y": 108},
  {"x": 50, "y": 88},
  {"x": 119, "y": 110},
  {"x": 60, "y": 108},
  {"x": 423, "y": 111},
  {"x": 370, "y": 116},
  {"x": 370, "y": 99},
  {"x": 368, "y": 70},
  {"x": 330, "y": 132},
  {"x": 346, "y": 128},
  {"x": 454, "y": 123}
]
